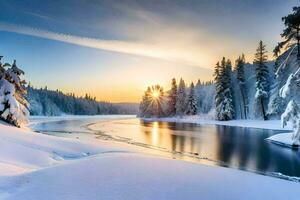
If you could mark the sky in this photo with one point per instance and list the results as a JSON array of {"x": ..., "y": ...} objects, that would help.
[{"x": 114, "y": 49}]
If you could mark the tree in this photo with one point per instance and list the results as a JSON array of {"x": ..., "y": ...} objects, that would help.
[
  {"x": 198, "y": 84},
  {"x": 157, "y": 100},
  {"x": 219, "y": 90},
  {"x": 292, "y": 113},
  {"x": 181, "y": 98},
  {"x": 240, "y": 69},
  {"x": 224, "y": 98},
  {"x": 191, "y": 102},
  {"x": 152, "y": 104},
  {"x": 13, "y": 105},
  {"x": 172, "y": 98},
  {"x": 145, "y": 104},
  {"x": 290, "y": 90},
  {"x": 291, "y": 33},
  {"x": 2, "y": 67},
  {"x": 262, "y": 78},
  {"x": 228, "y": 91}
]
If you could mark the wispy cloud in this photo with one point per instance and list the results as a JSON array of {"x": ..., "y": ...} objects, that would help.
[
  {"x": 38, "y": 15},
  {"x": 128, "y": 47}
]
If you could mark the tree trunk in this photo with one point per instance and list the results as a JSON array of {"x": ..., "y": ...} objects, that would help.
[
  {"x": 298, "y": 44},
  {"x": 245, "y": 106},
  {"x": 263, "y": 109}
]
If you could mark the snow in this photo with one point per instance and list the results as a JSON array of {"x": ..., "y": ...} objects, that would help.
[
  {"x": 27, "y": 151},
  {"x": 284, "y": 139},
  {"x": 129, "y": 176},
  {"x": 37, "y": 166},
  {"x": 285, "y": 90}
]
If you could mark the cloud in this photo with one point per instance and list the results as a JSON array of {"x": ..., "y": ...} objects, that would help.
[
  {"x": 38, "y": 15},
  {"x": 128, "y": 47}
]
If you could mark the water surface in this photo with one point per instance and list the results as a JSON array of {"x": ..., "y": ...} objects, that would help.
[{"x": 234, "y": 147}]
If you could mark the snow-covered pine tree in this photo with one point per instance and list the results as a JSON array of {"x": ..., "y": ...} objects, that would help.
[
  {"x": 2, "y": 67},
  {"x": 224, "y": 97},
  {"x": 181, "y": 98},
  {"x": 145, "y": 105},
  {"x": 191, "y": 101},
  {"x": 198, "y": 93},
  {"x": 228, "y": 92},
  {"x": 13, "y": 105},
  {"x": 172, "y": 98},
  {"x": 157, "y": 101},
  {"x": 240, "y": 70},
  {"x": 262, "y": 85},
  {"x": 219, "y": 90},
  {"x": 198, "y": 84},
  {"x": 291, "y": 33},
  {"x": 292, "y": 113}
]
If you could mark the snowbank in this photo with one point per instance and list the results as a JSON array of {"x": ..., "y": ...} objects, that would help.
[
  {"x": 284, "y": 139},
  {"x": 269, "y": 124},
  {"x": 36, "y": 166},
  {"x": 23, "y": 151},
  {"x": 128, "y": 176}
]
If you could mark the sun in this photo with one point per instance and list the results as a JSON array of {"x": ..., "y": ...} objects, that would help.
[{"x": 155, "y": 94}]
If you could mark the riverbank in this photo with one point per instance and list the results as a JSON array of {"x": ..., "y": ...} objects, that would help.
[{"x": 37, "y": 166}]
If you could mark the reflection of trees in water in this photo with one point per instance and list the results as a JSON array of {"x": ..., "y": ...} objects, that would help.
[
  {"x": 178, "y": 140},
  {"x": 287, "y": 160},
  {"x": 225, "y": 145},
  {"x": 144, "y": 128},
  {"x": 263, "y": 153},
  {"x": 244, "y": 147}
]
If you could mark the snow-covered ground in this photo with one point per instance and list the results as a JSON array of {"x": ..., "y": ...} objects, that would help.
[
  {"x": 284, "y": 139},
  {"x": 37, "y": 166}
]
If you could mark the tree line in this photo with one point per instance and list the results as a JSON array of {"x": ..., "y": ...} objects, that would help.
[
  {"x": 54, "y": 102},
  {"x": 179, "y": 100},
  {"x": 234, "y": 96},
  {"x": 225, "y": 78}
]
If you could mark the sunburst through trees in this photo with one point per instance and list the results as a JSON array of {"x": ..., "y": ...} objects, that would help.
[{"x": 152, "y": 103}]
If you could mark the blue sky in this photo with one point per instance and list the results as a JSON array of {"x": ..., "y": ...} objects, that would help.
[{"x": 114, "y": 49}]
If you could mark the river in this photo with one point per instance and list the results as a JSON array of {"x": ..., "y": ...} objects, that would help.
[{"x": 234, "y": 147}]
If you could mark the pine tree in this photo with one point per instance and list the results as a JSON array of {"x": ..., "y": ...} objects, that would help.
[
  {"x": 198, "y": 84},
  {"x": 191, "y": 102},
  {"x": 13, "y": 105},
  {"x": 228, "y": 92},
  {"x": 157, "y": 101},
  {"x": 224, "y": 97},
  {"x": 198, "y": 93},
  {"x": 153, "y": 102},
  {"x": 291, "y": 33},
  {"x": 172, "y": 98},
  {"x": 219, "y": 90},
  {"x": 292, "y": 113},
  {"x": 2, "y": 67},
  {"x": 145, "y": 105},
  {"x": 240, "y": 69},
  {"x": 262, "y": 79},
  {"x": 181, "y": 98}
]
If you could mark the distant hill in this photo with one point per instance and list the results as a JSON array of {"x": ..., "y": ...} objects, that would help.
[{"x": 52, "y": 103}]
